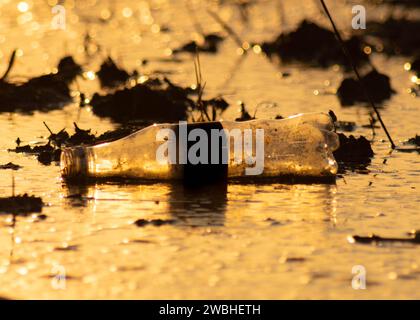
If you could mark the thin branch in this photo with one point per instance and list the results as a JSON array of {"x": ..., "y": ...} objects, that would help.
[
  {"x": 48, "y": 128},
  {"x": 363, "y": 87},
  {"x": 200, "y": 87},
  {"x": 13, "y": 185},
  {"x": 10, "y": 66}
]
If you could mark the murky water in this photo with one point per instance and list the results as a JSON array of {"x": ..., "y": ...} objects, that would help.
[{"x": 241, "y": 241}]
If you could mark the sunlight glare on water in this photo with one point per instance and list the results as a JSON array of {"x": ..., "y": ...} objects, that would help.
[{"x": 236, "y": 241}]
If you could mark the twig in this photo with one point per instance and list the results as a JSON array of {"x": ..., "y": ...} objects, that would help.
[
  {"x": 47, "y": 127},
  {"x": 13, "y": 185},
  {"x": 372, "y": 125},
  {"x": 200, "y": 86},
  {"x": 363, "y": 87},
  {"x": 12, "y": 236},
  {"x": 9, "y": 67}
]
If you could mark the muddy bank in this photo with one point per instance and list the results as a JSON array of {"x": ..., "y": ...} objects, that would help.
[
  {"x": 353, "y": 152},
  {"x": 110, "y": 75},
  {"x": 209, "y": 44},
  {"x": 415, "y": 140},
  {"x": 396, "y": 36},
  {"x": 316, "y": 46},
  {"x": 154, "y": 100},
  {"x": 377, "y": 85},
  {"x": 21, "y": 205},
  {"x": 43, "y": 93}
]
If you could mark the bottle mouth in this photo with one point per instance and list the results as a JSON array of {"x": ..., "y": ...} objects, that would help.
[
  {"x": 331, "y": 139},
  {"x": 73, "y": 162}
]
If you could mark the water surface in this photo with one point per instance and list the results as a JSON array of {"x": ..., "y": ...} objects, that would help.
[{"x": 236, "y": 241}]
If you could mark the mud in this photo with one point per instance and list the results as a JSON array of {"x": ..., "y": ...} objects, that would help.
[
  {"x": 415, "y": 140},
  {"x": 110, "y": 75},
  {"x": 44, "y": 93},
  {"x": 154, "y": 100},
  {"x": 316, "y": 46},
  {"x": 210, "y": 44},
  {"x": 153, "y": 222},
  {"x": 245, "y": 116},
  {"x": 21, "y": 205},
  {"x": 10, "y": 166},
  {"x": 51, "y": 151},
  {"x": 415, "y": 65},
  {"x": 404, "y": 3},
  {"x": 378, "y": 86},
  {"x": 353, "y": 152},
  {"x": 375, "y": 239},
  {"x": 397, "y": 36}
]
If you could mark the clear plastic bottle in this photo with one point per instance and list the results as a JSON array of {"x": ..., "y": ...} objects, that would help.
[{"x": 299, "y": 146}]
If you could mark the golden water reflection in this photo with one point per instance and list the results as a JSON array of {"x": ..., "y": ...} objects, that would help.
[{"x": 217, "y": 205}]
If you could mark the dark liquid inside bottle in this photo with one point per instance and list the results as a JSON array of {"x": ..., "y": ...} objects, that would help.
[{"x": 208, "y": 172}]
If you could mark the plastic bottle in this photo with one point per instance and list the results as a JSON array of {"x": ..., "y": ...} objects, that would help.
[{"x": 299, "y": 146}]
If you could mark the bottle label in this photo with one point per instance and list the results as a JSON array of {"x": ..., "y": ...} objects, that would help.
[{"x": 202, "y": 152}]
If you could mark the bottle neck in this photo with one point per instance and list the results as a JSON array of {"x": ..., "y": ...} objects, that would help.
[{"x": 74, "y": 163}]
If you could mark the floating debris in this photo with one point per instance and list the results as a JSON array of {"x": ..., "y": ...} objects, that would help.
[
  {"x": 10, "y": 166},
  {"x": 377, "y": 84},
  {"x": 286, "y": 259},
  {"x": 42, "y": 217},
  {"x": 67, "y": 247},
  {"x": 273, "y": 222},
  {"x": 110, "y": 75},
  {"x": 375, "y": 239},
  {"x": 21, "y": 205},
  {"x": 42, "y": 93},
  {"x": 51, "y": 151},
  {"x": 80, "y": 136},
  {"x": 397, "y": 36},
  {"x": 316, "y": 46},
  {"x": 412, "y": 141},
  {"x": 209, "y": 44},
  {"x": 353, "y": 152},
  {"x": 415, "y": 141},
  {"x": 216, "y": 105},
  {"x": 245, "y": 116},
  {"x": 45, "y": 153},
  {"x": 153, "y": 222}
]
